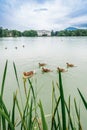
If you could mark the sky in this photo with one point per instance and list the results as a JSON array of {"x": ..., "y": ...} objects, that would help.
[{"x": 43, "y": 14}]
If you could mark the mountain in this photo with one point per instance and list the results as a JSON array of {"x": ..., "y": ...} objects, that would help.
[{"x": 71, "y": 28}]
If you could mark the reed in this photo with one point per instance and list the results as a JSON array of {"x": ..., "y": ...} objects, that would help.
[
  {"x": 83, "y": 99},
  {"x": 29, "y": 116}
]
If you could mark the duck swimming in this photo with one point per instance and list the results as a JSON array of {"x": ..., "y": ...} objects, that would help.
[
  {"x": 41, "y": 64},
  {"x": 61, "y": 69},
  {"x": 70, "y": 65},
  {"x": 16, "y": 47},
  {"x": 28, "y": 74},
  {"x": 6, "y": 48},
  {"x": 23, "y": 46},
  {"x": 46, "y": 70}
]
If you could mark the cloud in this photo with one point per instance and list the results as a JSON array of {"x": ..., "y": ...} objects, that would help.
[
  {"x": 41, "y": 9},
  {"x": 78, "y": 13},
  {"x": 42, "y": 14},
  {"x": 82, "y": 25}
]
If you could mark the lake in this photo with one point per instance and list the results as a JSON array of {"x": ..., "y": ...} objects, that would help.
[{"x": 54, "y": 51}]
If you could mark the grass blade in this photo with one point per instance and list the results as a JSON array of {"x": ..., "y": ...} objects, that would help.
[
  {"x": 31, "y": 88},
  {"x": 3, "y": 123},
  {"x": 62, "y": 102},
  {"x": 25, "y": 112},
  {"x": 13, "y": 110},
  {"x": 44, "y": 124},
  {"x": 16, "y": 74},
  {"x": 3, "y": 107},
  {"x": 30, "y": 116},
  {"x": 69, "y": 116},
  {"x": 15, "y": 70},
  {"x": 78, "y": 115},
  {"x": 4, "y": 77},
  {"x": 83, "y": 99},
  {"x": 55, "y": 111},
  {"x": 7, "y": 118}
]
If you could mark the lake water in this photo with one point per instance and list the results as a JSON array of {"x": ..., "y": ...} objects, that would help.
[{"x": 55, "y": 51}]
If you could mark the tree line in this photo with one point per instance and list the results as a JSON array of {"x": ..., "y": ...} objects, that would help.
[
  {"x": 34, "y": 33},
  {"x": 16, "y": 33},
  {"x": 77, "y": 32}
]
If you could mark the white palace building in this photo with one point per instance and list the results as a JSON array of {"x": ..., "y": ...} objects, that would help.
[{"x": 43, "y": 33}]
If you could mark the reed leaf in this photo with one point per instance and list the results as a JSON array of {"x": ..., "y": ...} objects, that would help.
[
  {"x": 3, "y": 123},
  {"x": 15, "y": 70},
  {"x": 3, "y": 106},
  {"x": 62, "y": 102},
  {"x": 4, "y": 77},
  {"x": 78, "y": 115},
  {"x": 53, "y": 117},
  {"x": 54, "y": 125},
  {"x": 13, "y": 110},
  {"x": 76, "y": 108},
  {"x": 30, "y": 116},
  {"x": 31, "y": 86},
  {"x": 19, "y": 109},
  {"x": 16, "y": 75},
  {"x": 53, "y": 97},
  {"x": 7, "y": 118},
  {"x": 83, "y": 99},
  {"x": 70, "y": 123},
  {"x": 44, "y": 124},
  {"x": 20, "y": 112},
  {"x": 59, "y": 122},
  {"x": 25, "y": 115}
]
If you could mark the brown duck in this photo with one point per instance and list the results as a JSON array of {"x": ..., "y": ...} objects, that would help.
[
  {"x": 46, "y": 70},
  {"x": 70, "y": 65},
  {"x": 41, "y": 64},
  {"x": 61, "y": 69}
]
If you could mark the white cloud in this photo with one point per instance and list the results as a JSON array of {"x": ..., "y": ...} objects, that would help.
[{"x": 49, "y": 15}]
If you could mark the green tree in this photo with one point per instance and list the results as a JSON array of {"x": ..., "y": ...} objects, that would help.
[
  {"x": 5, "y": 32},
  {"x": 30, "y": 33},
  {"x": 1, "y": 29},
  {"x": 52, "y": 33},
  {"x": 16, "y": 33}
]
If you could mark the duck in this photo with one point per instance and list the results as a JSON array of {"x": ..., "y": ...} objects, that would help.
[
  {"x": 23, "y": 46},
  {"x": 46, "y": 70},
  {"x": 16, "y": 47},
  {"x": 42, "y": 64},
  {"x": 6, "y": 48},
  {"x": 70, "y": 65},
  {"x": 28, "y": 74},
  {"x": 61, "y": 69}
]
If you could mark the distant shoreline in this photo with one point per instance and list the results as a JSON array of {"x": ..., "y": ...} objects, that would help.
[{"x": 42, "y": 33}]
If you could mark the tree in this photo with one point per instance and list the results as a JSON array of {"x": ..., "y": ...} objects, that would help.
[
  {"x": 1, "y": 31},
  {"x": 30, "y": 33},
  {"x": 16, "y": 33},
  {"x": 52, "y": 33}
]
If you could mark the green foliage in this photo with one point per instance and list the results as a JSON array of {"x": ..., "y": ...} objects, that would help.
[
  {"x": 29, "y": 117},
  {"x": 15, "y": 33},
  {"x": 9, "y": 33},
  {"x": 4, "y": 77},
  {"x": 83, "y": 99},
  {"x": 62, "y": 102},
  {"x": 1, "y": 31},
  {"x": 44, "y": 124},
  {"x": 33, "y": 33},
  {"x": 78, "y": 32},
  {"x": 30, "y": 33},
  {"x": 52, "y": 33}
]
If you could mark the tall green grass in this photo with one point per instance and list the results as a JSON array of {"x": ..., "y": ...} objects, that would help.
[{"x": 31, "y": 112}]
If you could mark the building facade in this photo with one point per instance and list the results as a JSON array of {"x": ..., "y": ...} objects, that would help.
[{"x": 43, "y": 33}]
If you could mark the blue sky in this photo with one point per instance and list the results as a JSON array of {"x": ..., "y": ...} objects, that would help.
[{"x": 43, "y": 14}]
